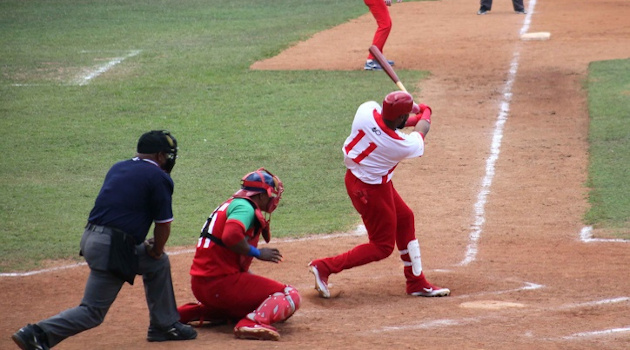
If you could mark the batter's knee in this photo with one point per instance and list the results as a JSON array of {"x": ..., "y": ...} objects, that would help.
[{"x": 384, "y": 250}]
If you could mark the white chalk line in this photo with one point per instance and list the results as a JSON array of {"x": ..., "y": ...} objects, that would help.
[
  {"x": 85, "y": 79},
  {"x": 495, "y": 149},
  {"x": 91, "y": 74},
  {"x": 440, "y": 323},
  {"x": 605, "y": 332},
  {"x": 586, "y": 236},
  {"x": 527, "y": 286}
]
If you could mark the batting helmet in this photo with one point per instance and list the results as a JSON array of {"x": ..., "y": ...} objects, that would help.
[
  {"x": 262, "y": 181},
  {"x": 156, "y": 141},
  {"x": 397, "y": 103}
]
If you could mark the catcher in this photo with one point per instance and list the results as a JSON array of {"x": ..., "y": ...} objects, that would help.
[{"x": 221, "y": 281}]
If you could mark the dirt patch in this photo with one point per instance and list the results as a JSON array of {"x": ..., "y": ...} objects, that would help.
[{"x": 570, "y": 294}]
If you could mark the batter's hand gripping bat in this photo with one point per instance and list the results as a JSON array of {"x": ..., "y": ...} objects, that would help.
[{"x": 380, "y": 58}]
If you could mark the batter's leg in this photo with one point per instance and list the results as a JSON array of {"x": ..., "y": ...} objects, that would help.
[{"x": 416, "y": 282}]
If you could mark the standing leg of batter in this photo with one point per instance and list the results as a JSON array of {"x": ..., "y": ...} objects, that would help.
[
  {"x": 379, "y": 10},
  {"x": 409, "y": 249}
]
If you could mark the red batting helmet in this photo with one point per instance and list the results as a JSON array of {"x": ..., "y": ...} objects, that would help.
[{"x": 397, "y": 103}]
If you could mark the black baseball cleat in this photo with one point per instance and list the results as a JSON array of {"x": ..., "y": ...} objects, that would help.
[
  {"x": 177, "y": 331},
  {"x": 31, "y": 337}
]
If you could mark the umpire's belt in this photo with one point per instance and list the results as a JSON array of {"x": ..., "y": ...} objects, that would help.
[{"x": 98, "y": 228}]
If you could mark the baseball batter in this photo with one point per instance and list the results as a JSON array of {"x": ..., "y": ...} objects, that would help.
[
  {"x": 371, "y": 153},
  {"x": 221, "y": 280}
]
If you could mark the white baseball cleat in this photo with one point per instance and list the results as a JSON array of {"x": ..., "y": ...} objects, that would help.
[
  {"x": 432, "y": 291},
  {"x": 321, "y": 282}
]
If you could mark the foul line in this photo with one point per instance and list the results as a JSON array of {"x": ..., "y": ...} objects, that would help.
[{"x": 495, "y": 149}]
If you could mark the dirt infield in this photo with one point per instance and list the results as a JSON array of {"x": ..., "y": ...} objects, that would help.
[{"x": 500, "y": 226}]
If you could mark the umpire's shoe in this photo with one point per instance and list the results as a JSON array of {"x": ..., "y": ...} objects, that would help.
[
  {"x": 31, "y": 337},
  {"x": 177, "y": 331}
]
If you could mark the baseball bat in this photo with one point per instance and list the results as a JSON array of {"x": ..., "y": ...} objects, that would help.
[{"x": 380, "y": 58}]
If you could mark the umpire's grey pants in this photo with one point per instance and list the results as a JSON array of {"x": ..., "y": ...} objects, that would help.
[{"x": 102, "y": 288}]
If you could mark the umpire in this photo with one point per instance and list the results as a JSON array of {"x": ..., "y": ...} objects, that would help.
[{"x": 135, "y": 194}]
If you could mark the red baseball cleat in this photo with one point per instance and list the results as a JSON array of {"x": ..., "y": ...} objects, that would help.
[{"x": 248, "y": 329}]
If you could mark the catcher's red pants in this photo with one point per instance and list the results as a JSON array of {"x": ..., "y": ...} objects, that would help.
[
  {"x": 234, "y": 296},
  {"x": 386, "y": 217},
  {"x": 383, "y": 20}
]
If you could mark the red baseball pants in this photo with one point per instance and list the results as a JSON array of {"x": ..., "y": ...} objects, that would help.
[
  {"x": 386, "y": 217},
  {"x": 383, "y": 20}
]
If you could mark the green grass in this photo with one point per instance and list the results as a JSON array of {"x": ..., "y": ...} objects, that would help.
[
  {"x": 609, "y": 136},
  {"x": 191, "y": 77}
]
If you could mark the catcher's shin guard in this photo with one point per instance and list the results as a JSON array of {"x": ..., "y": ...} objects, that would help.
[{"x": 277, "y": 307}]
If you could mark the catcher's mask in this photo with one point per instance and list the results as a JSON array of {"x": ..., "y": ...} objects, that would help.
[
  {"x": 262, "y": 181},
  {"x": 156, "y": 141},
  {"x": 397, "y": 103}
]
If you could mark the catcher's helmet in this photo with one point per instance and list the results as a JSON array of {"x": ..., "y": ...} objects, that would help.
[
  {"x": 397, "y": 103},
  {"x": 262, "y": 181},
  {"x": 156, "y": 141}
]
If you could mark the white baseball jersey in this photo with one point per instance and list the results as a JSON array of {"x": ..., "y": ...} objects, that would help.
[{"x": 372, "y": 151}]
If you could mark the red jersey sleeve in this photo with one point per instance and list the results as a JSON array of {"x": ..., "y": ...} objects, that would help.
[{"x": 233, "y": 232}]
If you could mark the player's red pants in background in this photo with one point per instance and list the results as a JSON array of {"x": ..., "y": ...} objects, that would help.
[
  {"x": 381, "y": 14},
  {"x": 386, "y": 217},
  {"x": 234, "y": 296}
]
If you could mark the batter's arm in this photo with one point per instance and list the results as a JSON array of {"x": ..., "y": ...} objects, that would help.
[
  {"x": 423, "y": 123},
  {"x": 422, "y": 127}
]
